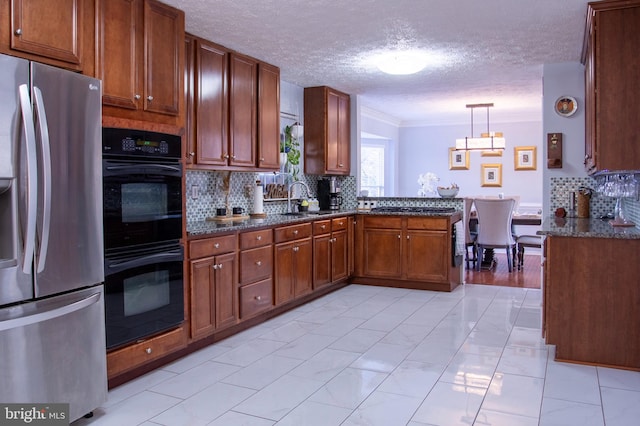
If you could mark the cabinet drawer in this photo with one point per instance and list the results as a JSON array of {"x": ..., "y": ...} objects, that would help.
[
  {"x": 212, "y": 246},
  {"x": 292, "y": 232},
  {"x": 385, "y": 222},
  {"x": 138, "y": 354},
  {"x": 321, "y": 227},
  {"x": 256, "y": 264},
  {"x": 256, "y": 298},
  {"x": 433, "y": 223},
  {"x": 339, "y": 223},
  {"x": 254, "y": 239}
]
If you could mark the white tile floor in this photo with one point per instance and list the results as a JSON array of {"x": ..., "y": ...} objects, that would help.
[{"x": 383, "y": 356}]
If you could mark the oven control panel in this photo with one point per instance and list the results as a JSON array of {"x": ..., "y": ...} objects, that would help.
[{"x": 134, "y": 143}]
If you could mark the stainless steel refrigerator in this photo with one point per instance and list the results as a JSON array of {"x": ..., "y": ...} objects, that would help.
[{"x": 52, "y": 336}]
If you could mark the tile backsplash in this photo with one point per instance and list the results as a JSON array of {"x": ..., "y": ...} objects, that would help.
[
  {"x": 205, "y": 194},
  {"x": 600, "y": 205}
]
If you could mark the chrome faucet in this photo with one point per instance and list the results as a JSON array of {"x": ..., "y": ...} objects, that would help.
[{"x": 298, "y": 182}]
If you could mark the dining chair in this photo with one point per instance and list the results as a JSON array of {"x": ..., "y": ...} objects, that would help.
[
  {"x": 494, "y": 227},
  {"x": 470, "y": 234},
  {"x": 526, "y": 241}
]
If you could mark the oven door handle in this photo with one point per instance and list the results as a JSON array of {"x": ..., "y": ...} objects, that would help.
[
  {"x": 118, "y": 169},
  {"x": 115, "y": 266}
]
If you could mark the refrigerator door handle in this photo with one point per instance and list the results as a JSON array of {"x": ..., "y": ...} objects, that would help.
[
  {"x": 32, "y": 177},
  {"x": 49, "y": 314},
  {"x": 46, "y": 178}
]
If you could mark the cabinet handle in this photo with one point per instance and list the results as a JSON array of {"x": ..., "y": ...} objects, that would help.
[
  {"x": 258, "y": 298},
  {"x": 323, "y": 226},
  {"x": 233, "y": 157},
  {"x": 18, "y": 31},
  {"x": 259, "y": 263},
  {"x": 296, "y": 249},
  {"x": 216, "y": 245},
  {"x": 261, "y": 159},
  {"x": 220, "y": 266},
  {"x": 214, "y": 266},
  {"x": 399, "y": 236},
  {"x": 192, "y": 154},
  {"x": 136, "y": 97},
  {"x": 149, "y": 98},
  {"x": 340, "y": 165},
  {"x": 259, "y": 237},
  {"x": 148, "y": 350},
  {"x": 407, "y": 237},
  {"x": 295, "y": 232},
  {"x": 340, "y": 223},
  {"x": 225, "y": 156}
]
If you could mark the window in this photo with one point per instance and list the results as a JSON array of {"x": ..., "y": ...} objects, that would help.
[{"x": 372, "y": 167}]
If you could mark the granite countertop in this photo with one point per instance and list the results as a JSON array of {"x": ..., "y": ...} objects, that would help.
[
  {"x": 586, "y": 228},
  {"x": 203, "y": 228},
  {"x": 212, "y": 227}
]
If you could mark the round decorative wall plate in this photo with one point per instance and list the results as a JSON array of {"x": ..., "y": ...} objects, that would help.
[{"x": 566, "y": 106}]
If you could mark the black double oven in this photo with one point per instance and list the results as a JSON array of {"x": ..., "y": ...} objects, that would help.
[{"x": 142, "y": 198}]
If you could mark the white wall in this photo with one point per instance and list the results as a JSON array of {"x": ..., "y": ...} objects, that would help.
[
  {"x": 564, "y": 79},
  {"x": 426, "y": 149}
]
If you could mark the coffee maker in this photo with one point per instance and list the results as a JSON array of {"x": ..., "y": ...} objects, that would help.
[{"x": 329, "y": 194}]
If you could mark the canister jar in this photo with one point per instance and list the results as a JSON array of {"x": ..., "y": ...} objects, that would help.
[{"x": 584, "y": 197}]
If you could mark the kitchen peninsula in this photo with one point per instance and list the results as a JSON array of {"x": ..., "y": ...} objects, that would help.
[{"x": 591, "y": 292}]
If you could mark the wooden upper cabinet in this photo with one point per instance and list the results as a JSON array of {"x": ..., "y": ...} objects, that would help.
[
  {"x": 233, "y": 109},
  {"x": 140, "y": 60},
  {"x": 268, "y": 116},
  {"x": 243, "y": 105},
  {"x": 49, "y": 31},
  {"x": 611, "y": 60},
  {"x": 327, "y": 128},
  {"x": 211, "y": 104}
]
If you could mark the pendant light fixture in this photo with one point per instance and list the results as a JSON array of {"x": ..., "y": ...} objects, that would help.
[{"x": 486, "y": 141}]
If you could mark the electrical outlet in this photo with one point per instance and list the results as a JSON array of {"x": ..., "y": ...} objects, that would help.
[{"x": 194, "y": 192}]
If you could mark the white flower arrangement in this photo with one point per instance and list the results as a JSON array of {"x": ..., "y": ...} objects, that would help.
[{"x": 427, "y": 184}]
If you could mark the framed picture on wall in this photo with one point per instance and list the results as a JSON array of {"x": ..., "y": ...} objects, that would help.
[
  {"x": 458, "y": 160},
  {"x": 524, "y": 157},
  {"x": 491, "y": 174}
]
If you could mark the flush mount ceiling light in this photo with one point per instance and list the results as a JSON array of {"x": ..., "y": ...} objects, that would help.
[
  {"x": 486, "y": 141},
  {"x": 401, "y": 62}
]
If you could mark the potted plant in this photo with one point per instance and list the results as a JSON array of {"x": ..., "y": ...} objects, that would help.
[{"x": 290, "y": 152}]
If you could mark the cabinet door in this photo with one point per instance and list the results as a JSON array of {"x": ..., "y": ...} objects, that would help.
[
  {"x": 321, "y": 260},
  {"x": 339, "y": 256},
  {"x": 268, "y": 117},
  {"x": 243, "y": 107},
  {"x": 226, "y": 298},
  {"x": 119, "y": 25},
  {"x": 189, "y": 98},
  {"x": 333, "y": 132},
  {"x": 202, "y": 297},
  {"x": 163, "y": 58},
  {"x": 211, "y": 104},
  {"x": 303, "y": 265},
  {"x": 427, "y": 257},
  {"x": 48, "y": 28},
  {"x": 284, "y": 272},
  {"x": 382, "y": 256},
  {"x": 344, "y": 136}
]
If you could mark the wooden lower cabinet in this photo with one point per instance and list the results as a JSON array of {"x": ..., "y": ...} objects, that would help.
[
  {"x": 256, "y": 271},
  {"x": 330, "y": 251},
  {"x": 416, "y": 251},
  {"x": 293, "y": 265},
  {"x": 213, "y": 281},
  {"x": 591, "y": 298},
  {"x": 133, "y": 356}
]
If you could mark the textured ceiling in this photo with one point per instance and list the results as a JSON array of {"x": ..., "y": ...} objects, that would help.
[{"x": 492, "y": 50}]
